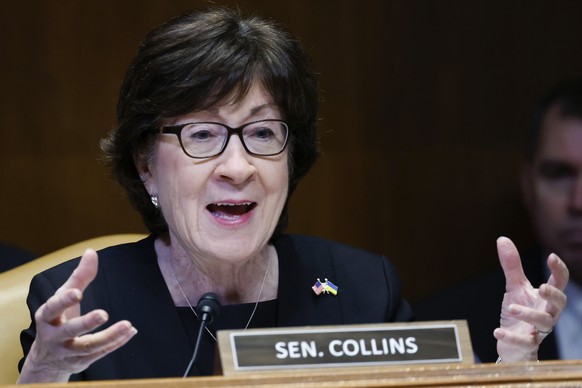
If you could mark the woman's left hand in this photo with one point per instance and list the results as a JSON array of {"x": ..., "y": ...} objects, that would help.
[{"x": 528, "y": 314}]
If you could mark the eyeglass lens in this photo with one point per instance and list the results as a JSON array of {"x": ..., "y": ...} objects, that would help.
[{"x": 208, "y": 139}]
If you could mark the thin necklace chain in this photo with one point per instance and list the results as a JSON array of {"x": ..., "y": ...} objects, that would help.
[{"x": 194, "y": 311}]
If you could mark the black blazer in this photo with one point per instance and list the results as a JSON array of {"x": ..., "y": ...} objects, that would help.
[
  {"x": 129, "y": 285},
  {"x": 12, "y": 257}
]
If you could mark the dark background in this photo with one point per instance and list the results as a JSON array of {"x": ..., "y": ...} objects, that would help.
[{"x": 424, "y": 110}]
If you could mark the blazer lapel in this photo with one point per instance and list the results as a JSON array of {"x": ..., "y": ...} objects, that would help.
[
  {"x": 162, "y": 346},
  {"x": 300, "y": 265}
]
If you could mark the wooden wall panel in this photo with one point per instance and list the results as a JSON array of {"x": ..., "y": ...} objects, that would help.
[{"x": 425, "y": 105}]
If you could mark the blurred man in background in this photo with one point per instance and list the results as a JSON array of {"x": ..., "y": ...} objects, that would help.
[{"x": 551, "y": 182}]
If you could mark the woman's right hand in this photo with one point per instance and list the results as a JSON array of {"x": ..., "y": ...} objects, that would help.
[{"x": 62, "y": 345}]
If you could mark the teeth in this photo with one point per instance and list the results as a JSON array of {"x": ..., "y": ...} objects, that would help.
[
  {"x": 227, "y": 216},
  {"x": 234, "y": 204}
]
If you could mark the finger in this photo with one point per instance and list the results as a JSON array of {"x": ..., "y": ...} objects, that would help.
[
  {"x": 511, "y": 263},
  {"x": 560, "y": 274},
  {"x": 540, "y": 321},
  {"x": 516, "y": 347},
  {"x": 84, "y": 351},
  {"x": 555, "y": 299},
  {"x": 85, "y": 272},
  {"x": 85, "y": 323},
  {"x": 52, "y": 310},
  {"x": 104, "y": 342},
  {"x": 510, "y": 337}
]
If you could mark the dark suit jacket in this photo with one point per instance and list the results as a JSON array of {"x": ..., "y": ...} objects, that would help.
[
  {"x": 12, "y": 257},
  {"x": 129, "y": 285},
  {"x": 479, "y": 302}
]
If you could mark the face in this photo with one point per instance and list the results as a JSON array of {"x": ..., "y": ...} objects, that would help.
[
  {"x": 553, "y": 189},
  {"x": 225, "y": 207}
]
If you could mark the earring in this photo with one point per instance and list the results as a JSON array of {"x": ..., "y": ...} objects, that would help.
[{"x": 154, "y": 199}]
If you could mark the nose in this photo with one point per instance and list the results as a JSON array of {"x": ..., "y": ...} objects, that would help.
[
  {"x": 576, "y": 195},
  {"x": 235, "y": 163}
]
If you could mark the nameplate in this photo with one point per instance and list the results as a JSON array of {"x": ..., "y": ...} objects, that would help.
[{"x": 344, "y": 345}]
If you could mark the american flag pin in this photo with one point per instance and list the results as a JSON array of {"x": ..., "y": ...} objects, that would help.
[{"x": 326, "y": 287}]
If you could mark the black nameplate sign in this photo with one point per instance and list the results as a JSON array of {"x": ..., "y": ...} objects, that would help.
[{"x": 349, "y": 345}]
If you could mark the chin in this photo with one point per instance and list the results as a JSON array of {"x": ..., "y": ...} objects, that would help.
[{"x": 237, "y": 250}]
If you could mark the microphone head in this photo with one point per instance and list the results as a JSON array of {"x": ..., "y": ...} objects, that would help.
[{"x": 208, "y": 307}]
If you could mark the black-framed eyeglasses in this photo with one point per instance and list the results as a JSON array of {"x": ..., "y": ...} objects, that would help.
[{"x": 207, "y": 139}]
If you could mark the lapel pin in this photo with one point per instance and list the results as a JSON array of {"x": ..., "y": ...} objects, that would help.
[{"x": 326, "y": 287}]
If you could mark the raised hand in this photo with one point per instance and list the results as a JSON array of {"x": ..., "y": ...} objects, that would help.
[
  {"x": 528, "y": 314},
  {"x": 63, "y": 344}
]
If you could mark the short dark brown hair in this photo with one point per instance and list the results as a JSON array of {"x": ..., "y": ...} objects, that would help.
[
  {"x": 194, "y": 61},
  {"x": 567, "y": 97}
]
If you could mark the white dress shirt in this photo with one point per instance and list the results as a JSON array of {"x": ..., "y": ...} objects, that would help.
[{"x": 568, "y": 330}]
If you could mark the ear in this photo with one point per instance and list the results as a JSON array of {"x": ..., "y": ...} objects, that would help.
[
  {"x": 145, "y": 169},
  {"x": 526, "y": 180}
]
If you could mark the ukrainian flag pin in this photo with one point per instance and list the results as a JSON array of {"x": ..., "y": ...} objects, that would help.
[{"x": 326, "y": 287}]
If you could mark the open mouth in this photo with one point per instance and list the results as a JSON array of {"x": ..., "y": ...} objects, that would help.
[{"x": 230, "y": 211}]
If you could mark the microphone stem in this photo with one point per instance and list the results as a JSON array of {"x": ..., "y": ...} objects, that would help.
[{"x": 196, "y": 346}]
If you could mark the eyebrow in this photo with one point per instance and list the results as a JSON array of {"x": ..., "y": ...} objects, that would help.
[
  {"x": 255, "y": 110},
  {"x": 553, "y": 166},
  {"x": 554, "y": 162},
  {"x": 261, "y": 107}
]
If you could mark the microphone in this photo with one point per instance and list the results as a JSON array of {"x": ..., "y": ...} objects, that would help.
[{"x": 208, "y": 307}]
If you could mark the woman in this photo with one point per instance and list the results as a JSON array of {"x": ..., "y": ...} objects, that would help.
[{"x": 216, "y": 125}]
